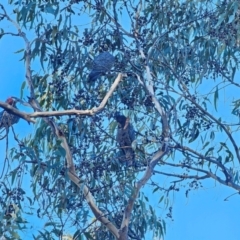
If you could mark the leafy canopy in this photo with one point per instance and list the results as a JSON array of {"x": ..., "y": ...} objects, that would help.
[{"x": 178, "y": 59}]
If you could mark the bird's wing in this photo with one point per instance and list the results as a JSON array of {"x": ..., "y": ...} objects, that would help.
[
  {"x": 7, "y": 119},
  {"x": 125, "y": 142},
  {"x": 131, "y": 132},
  {"x": 103, "y": 62},
  {"x": 1, "y": 117}
]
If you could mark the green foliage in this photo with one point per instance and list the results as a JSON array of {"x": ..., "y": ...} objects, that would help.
[{"x": 192, "y": 50}]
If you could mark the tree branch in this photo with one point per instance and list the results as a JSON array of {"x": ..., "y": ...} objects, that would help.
[
  {"x": 16, "y": 112},
  {"x": 128, "y": 209}
]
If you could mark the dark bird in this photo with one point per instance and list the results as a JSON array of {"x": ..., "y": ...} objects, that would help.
[
  {"x": 8, "y": 119},
  {"x": 125, "y": 137},
  {"x": 101, "y": 64}
]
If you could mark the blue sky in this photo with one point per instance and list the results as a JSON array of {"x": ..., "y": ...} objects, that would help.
[{"x": 204, "y": 215}]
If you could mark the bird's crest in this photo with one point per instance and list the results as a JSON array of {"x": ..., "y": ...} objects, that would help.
[{"x": 10, "y": 101}]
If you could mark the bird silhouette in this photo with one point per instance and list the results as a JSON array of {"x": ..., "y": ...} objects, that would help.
[
  {"x": 125, "y": 137},
  {"x": 8, "y": 119},
  {"x": 101, "y": 64}
]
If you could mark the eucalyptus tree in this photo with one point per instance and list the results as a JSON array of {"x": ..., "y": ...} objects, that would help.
[{"x": 172, "y": 62}]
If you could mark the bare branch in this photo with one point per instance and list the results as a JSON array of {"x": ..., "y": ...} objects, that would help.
[
  {"x": 228, "y": 182},
  {"x": 182, "y": 176},
  {"x": 90, "y": 200},
  {"x": 147, "y": 175},
  {"x": 27, "y": 50}
]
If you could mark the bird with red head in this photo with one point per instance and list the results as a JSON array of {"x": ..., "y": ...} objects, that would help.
[{"x": 7, "y": 119}]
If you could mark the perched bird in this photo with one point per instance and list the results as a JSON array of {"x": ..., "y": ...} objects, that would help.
[
  {"x": 125, "y": 137},
  {"x": 101, "y": 64},
  {"x": 8, "y": 119}
]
